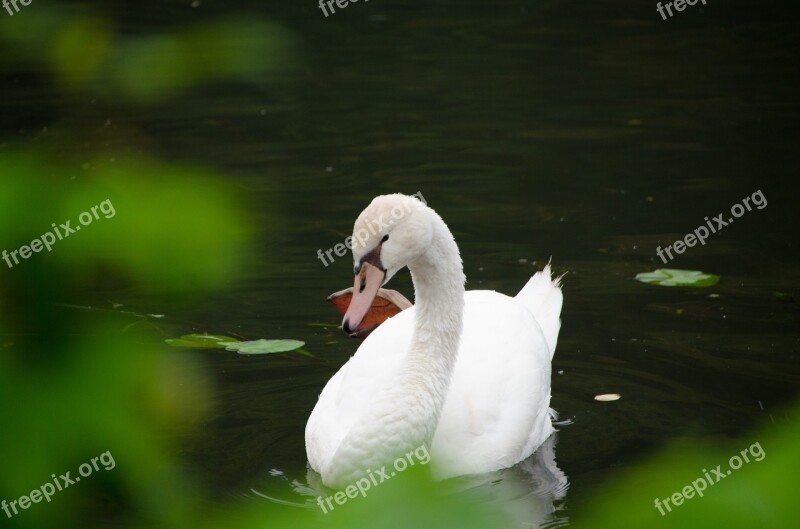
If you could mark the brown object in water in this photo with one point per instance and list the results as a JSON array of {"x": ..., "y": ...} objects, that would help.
[{"x": 386, "y": 304}]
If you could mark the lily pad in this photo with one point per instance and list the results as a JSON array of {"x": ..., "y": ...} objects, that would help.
[
  {"x": 258, "y": 347},
  {"x": 202, "y": 341},
  {"x": 673, "y": 277}
]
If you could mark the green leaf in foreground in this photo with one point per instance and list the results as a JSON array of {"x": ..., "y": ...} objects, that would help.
[
  {"x": 673, "y": 277},
  {"x": 202, "y": 341},
  {"x": 258, "y": 347}
]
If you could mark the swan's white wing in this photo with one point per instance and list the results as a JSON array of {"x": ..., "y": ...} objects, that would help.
[
  {"x": 496, "y": 412},
  {"x": 497, "y": 408},
  {"x": 347, "y": 395}
]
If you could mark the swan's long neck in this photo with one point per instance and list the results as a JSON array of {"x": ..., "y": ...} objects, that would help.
[
  {"x": 405, "y": 416},
  {"x": 439, "y": 297}
]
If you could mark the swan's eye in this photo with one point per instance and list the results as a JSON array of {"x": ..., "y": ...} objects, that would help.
[{"x": 385, "y": 238}]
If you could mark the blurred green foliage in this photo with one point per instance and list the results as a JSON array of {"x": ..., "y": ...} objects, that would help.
[
  {"x": 173, "y": 228},
  {"x": 84, "y": 53},
  {"x": 758, "y": 494},
  {"x": 73, "y": 384}
]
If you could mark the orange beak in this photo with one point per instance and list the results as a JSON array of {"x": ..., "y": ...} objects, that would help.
[{"x": 367, "y": 282}]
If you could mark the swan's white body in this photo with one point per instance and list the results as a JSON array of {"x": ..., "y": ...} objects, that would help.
[{"x": 468, "y": 374}]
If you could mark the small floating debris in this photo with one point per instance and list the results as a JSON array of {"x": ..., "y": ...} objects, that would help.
[{"x": 607, "y": 397}]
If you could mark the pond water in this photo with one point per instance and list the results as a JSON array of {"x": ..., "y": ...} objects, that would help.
[{"x": 586, "y": 134}]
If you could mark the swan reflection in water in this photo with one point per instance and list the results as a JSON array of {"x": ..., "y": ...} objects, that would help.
[{"x": 531, "y": 493}]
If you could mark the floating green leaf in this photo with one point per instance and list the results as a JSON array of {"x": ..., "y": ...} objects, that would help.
[
  {"x": 258, "y": 347},
  {"x": 215, "y": 341},
  {"x": 673, "y": 277},
  {"x": 202, "y": 341}
]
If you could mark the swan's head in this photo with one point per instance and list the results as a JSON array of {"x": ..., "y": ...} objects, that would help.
[{"x": 391, "y": 233}]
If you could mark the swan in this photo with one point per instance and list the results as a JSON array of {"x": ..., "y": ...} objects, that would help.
[{"x": 466, "y": 374}]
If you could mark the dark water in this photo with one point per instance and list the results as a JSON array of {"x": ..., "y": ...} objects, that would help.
[{"x": 588, "y": 132}]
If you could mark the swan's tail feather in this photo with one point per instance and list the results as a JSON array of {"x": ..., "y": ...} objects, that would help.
[{"x": 542, "y": 296}]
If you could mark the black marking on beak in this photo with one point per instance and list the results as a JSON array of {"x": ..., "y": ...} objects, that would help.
[{"x": 373, "y": 258}]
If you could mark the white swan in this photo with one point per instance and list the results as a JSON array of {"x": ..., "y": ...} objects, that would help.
[{"x": 466, "y": 374}]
